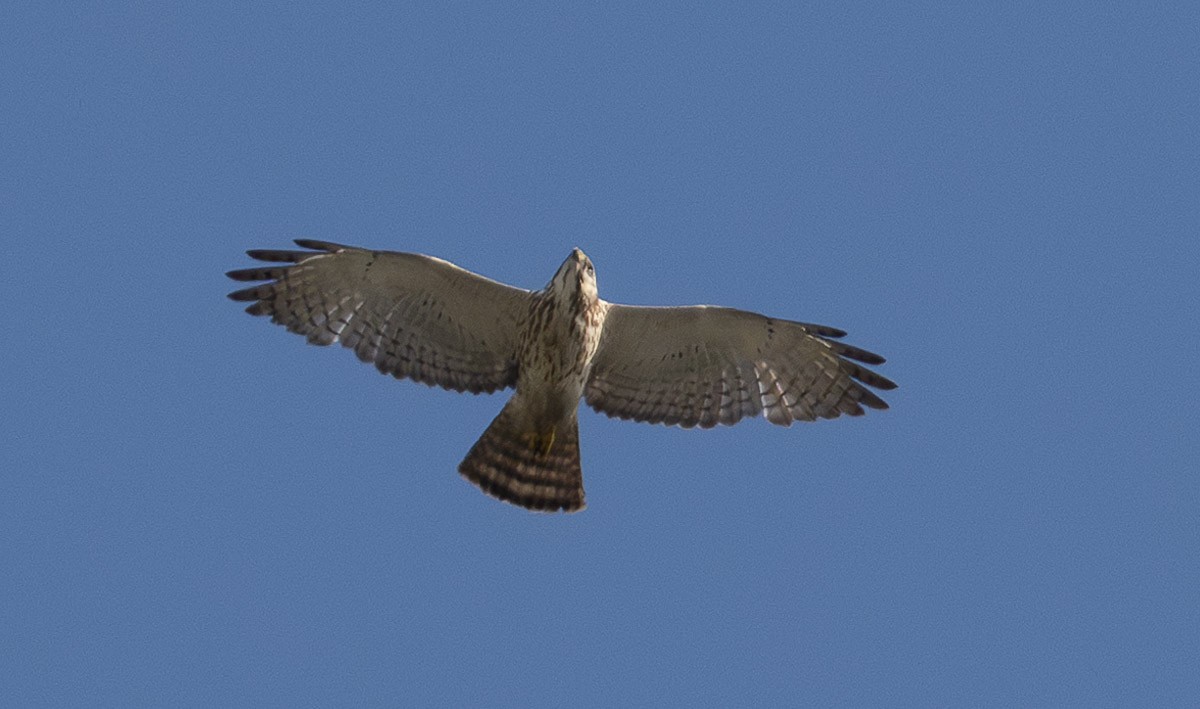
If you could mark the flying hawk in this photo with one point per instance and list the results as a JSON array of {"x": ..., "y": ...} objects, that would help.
[{"x": 426, "y": 319}]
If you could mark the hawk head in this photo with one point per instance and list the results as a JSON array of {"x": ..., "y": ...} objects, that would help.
[{"x": 575, "y": 281}]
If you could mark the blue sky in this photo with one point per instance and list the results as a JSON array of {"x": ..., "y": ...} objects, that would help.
[{"x": 196, "y": 508}]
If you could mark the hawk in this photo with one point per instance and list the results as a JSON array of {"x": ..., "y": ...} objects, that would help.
[{"x": 422, "y": 318}]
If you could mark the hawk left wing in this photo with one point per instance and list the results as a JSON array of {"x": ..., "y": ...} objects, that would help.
[
  {"x": 410, "y": 315},
  {"x": 704, "y": 365}
]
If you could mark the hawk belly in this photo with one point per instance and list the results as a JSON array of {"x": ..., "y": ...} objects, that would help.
[{"x": 529, "y": 455}]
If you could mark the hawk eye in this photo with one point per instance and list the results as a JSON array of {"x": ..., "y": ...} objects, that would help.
[{"x": 590, "y": 269}]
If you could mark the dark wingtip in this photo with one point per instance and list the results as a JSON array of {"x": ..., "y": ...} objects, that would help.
[
  {"x": 856, "y": 353},
  {"x": 315, "y": 245},
  {"x": 247, "y": 294},
  {"x": 277, "y": 255},
  {"x": 256, "y": 274},
  {"x": 881, "y": 382},
  {"x": 867, "y": 376},
  {"x": 823, "y": 330},
  {"x": 870, "y": 400}
]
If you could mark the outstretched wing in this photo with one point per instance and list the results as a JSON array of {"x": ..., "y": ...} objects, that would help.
[
  {"x": 704, "y": 365},
  {"x": 410, "y": 315}
]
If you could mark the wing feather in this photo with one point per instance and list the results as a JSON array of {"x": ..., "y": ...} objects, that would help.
[
  {"x": 410, "y": 315},
  {"x": 704, "y": 365}
]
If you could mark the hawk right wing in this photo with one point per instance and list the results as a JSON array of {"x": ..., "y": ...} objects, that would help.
[
  {"x": 704, "y": 365},
  {"x": 410, "y": 315}
]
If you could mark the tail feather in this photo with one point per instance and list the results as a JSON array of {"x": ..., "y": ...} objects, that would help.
[{"x": 536, "y": 470}]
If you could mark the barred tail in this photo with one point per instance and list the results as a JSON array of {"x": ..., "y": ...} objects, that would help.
[{"x": 538, "y": 470}]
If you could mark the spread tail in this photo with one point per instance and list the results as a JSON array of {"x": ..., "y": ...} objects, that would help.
[{"x": 535, "y": 469}]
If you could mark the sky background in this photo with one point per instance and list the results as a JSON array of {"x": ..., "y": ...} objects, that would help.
[{"x": 196, "y": 508}]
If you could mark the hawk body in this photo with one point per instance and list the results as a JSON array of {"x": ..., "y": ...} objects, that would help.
[
  {"x": 558, "y": 340},
  {"x": 529, "y": 455},
  {"x": 425, "y": 319}
]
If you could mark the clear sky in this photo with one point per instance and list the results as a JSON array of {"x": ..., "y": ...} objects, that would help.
[{"x": 196, "y": 508}]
